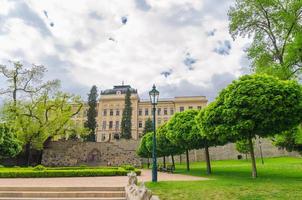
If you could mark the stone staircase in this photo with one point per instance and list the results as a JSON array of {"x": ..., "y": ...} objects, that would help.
[{"x": 62, "y": 193}]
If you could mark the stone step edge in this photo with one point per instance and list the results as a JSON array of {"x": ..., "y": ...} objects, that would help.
[
  {"x": 63, "y": 198},
  {"x": 62, "y": 188}
]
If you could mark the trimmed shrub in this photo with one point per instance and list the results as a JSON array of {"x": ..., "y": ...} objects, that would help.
[
  {"x": 39, "y": 168},
  {"x": 128, "y": 167}
]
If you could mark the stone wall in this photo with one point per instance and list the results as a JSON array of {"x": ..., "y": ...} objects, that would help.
[
  {"x": 72, "y": 153},
  {"x": 119, "y": 152},
  {"x": 229, "y": 152}
]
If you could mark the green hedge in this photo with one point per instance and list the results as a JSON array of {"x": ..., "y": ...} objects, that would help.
[{"x": 64, "y": 173}]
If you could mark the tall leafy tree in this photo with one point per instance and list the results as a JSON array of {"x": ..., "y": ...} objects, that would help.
[
  {"x": 42, "y": 118},
  {"x": 183, "y": 132},
  {"x": 148, "y": 126},
  {"x": 91, "y": 122},
  {"x": 24, "y": 81},
  {"x": 290, "y": 140},
  {"x": 10, "y": 146},
  {"x": 243, "y": 146},
  {"x": 126, "y": 118},
  {"x": 276, "y": 28},
  {"x": 142, "y": 150},
  {"x": 165, "y": 146},
  {"x": 254, "y": 105}
]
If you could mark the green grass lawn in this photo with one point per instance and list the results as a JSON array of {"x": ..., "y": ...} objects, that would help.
[{"x": 279, "y": 178}]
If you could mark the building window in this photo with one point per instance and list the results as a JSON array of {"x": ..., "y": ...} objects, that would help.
[
  {"x": 111, "y": 112},
  {"x": 199, "y": 107},
  {"x": 158, "y": 111},
  {"x": 117, "y": 112},
  {"x": 117, "y": 125},
  {"x": 110, "y": 125},
  {"x": 140, "y": 124},
  {"x": 104, "y": 125},
  {"x": 181, "y": 108},
  {"x": 171, "y": 111},
  {"x": 140, "y": 112},
  {"x": 190, "y": 107},
  {"x": 165, "y": 111},
  {"x": 158, "y": 121},
  {"x": 105, "y": 112},
  {"x": 146, "y": 112}
]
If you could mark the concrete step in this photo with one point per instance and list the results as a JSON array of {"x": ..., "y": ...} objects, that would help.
[
  {"x": 62, "y": 194},
  {"x": 38, "y": 198},
  {"x": 58, "y": 189}
]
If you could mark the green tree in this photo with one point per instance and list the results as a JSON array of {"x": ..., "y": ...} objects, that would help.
[
  {"x": 243, "y": 146},
  {"x": 91, "y": 122},
  {"x": 183, "y": 132},
  {"x": 42, "y": 118},
  {"x": 126, "y": 118},
  {"x": 276, "y": 28},
  {"x": 9, "y": 145},
  {"x": 165, "y": 146},
  {"x": 290, "y": 140},
  {"x": 254, "y": 105},
  {"x": 148, "y": 126},
  {"x": 24, "y": 81},
  {"x": 142, "y": 150}
]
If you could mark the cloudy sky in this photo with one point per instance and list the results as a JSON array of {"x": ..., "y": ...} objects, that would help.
[{"x": 183, "y": 46}]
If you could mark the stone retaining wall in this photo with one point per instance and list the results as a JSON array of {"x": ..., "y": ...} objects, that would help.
[
  {"x": 72, "y": 153},
  {"x": 119, "y": 152},
  {"x": 229, "y": 151}
]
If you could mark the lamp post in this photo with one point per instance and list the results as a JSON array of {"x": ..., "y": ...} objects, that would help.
[{"x": 154, "y": 99}]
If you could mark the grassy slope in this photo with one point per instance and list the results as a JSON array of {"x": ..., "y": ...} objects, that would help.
[{"x": 279, "y": 178}]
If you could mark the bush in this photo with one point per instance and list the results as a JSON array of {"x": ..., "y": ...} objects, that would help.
[
  {"x": 39, "y": 168},
  {"x": 61, "y": 173},
  {"x": 128, "y": 167},
  {"x": 1, "y": 166}
]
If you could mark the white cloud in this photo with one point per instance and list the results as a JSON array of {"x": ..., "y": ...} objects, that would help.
[{"x": 153, "y": 40}]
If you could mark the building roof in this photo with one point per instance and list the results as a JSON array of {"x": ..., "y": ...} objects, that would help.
[{"x": 119, "y": 88}]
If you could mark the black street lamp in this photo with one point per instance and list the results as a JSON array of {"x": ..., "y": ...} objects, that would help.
[{"x": 154, "y": 99}]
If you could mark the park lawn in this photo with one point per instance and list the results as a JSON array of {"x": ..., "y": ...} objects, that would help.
[{"x": 279, "y": 178}]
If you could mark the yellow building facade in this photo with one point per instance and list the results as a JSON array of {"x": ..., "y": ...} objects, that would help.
[{"x": 110, "y": 110}]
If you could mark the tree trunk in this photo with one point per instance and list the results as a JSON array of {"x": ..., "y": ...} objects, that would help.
[
  {"x": 246, "y": 156},
  {"x": 164, "y": 161},
  {"x": 148, "y": 163},
  {"x": 207, "y": 155},
  {"x": 173, "y": 163},
  {"x": 188, "y": 160},
  {"x": 27, "y": 153},
  {"x": 254, "y": 168},
  {"x": 180, "y": 159},
  {"x": 40, "y": 157}
]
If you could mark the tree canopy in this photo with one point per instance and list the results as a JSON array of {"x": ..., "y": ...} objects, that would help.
[
  {"x": 126, "y": 118},
  {"x": 183, "y": 132},
  {"x": 254, "y": 105},
  {"x": 148, "y": 126},
  {"x": 164, "y": 145},
  {"x": 276, "y": 28},
  {"x": 91, "y": 122},
  {"x": 142, "y": 150},
  {"x": 9, "y": 145},
  {"x": 290, "y": 140}
]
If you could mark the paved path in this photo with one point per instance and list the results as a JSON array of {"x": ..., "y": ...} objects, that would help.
[{"x": 91, "y": 181}]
